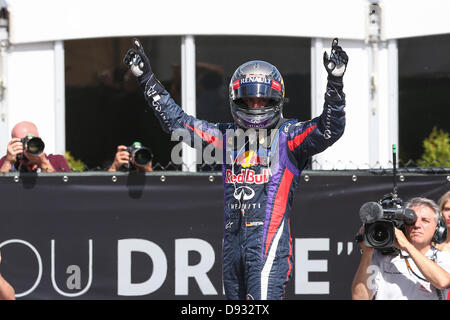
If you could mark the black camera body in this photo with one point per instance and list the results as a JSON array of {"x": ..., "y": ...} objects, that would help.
[
  {"x": 380, "y": 220},
  {"x": 33, "y": 145},
  {"x": 140, "y": 155}
]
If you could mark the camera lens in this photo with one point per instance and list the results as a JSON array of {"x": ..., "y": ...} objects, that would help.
[
  {"x": 35, "y": 146},
  {"x": 380, "y": 234},
  {"x": 142, "y": 157}
]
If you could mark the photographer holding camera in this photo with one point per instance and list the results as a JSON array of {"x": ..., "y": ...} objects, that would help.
[
  {"x": 416, "y": 271},
  {"x": 25, "y": 152},
  {"x": 135, "y": 157}
]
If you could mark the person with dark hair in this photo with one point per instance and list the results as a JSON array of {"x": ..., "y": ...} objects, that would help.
[
  {"x": 125, "y": 160},
  {"x": 418, "y": 271},
  {"x": 33, "y": 158},
  {"x": 261, "y": 172}
]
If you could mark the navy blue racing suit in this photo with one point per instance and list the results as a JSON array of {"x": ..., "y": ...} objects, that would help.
[{"x": 258, "y": 190}]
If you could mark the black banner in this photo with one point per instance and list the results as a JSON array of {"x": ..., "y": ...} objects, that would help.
[{"x": 120, "y": 236}]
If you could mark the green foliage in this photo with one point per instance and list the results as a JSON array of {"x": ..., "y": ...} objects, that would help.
[
  {"x": 436, "y": 149},
  {"x": 74, "y": 164}
]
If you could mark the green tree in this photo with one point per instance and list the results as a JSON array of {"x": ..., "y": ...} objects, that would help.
[{"x": 436, "y": 149}]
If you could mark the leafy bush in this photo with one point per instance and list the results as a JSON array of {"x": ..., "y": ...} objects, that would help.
[
  {"x": 436, "y": 149},
  {"x": 74, "y": 164}
]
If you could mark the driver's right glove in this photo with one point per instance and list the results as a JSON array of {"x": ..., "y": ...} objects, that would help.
[{"x": 139, "y": 64}]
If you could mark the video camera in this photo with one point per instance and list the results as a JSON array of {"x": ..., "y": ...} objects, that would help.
[
  {"x": 380, "y": 218},
  {"x": 139, "y": 154}
]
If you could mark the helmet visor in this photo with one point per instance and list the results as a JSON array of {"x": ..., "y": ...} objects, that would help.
[{"x": 270, "y": 89}]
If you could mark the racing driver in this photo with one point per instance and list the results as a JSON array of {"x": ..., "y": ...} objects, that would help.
[{"x": 259, "y": 182}]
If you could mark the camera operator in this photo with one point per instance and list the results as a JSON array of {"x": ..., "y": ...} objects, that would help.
[
  {"x": 19, "y": 159},
  {"x": 418, "y": 272},
  {"x": 124, "y": 161}
]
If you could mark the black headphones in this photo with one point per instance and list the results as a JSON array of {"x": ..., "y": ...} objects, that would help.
[{"x": 441, "y": 230}]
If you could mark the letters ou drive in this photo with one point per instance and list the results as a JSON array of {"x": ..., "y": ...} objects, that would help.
[{"x": 183, "y": 271}]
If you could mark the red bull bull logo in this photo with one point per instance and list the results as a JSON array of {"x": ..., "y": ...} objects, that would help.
[{"x": 248, "y": 159}]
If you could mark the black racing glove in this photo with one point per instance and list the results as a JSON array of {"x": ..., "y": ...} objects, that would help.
[
  {"x": 335, "y": 64},
  {"x": 139, "y": 64}
]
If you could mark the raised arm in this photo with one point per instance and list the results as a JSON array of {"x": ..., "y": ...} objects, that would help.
[
  {"x": 314, "y": 136},
  {"x": 169, "y": 114}
]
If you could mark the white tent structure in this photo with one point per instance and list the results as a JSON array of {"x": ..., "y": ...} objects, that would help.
[{"x": 32, "y": 55}]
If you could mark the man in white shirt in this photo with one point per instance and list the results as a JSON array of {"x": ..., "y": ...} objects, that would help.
[{"x": 420, "y": 271}]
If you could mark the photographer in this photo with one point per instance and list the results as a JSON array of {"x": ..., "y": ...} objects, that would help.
[
  {"x": 18, "y": 158},
  {"x": 418, "y": 272},
  {"x": 125, "y": 161}
]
